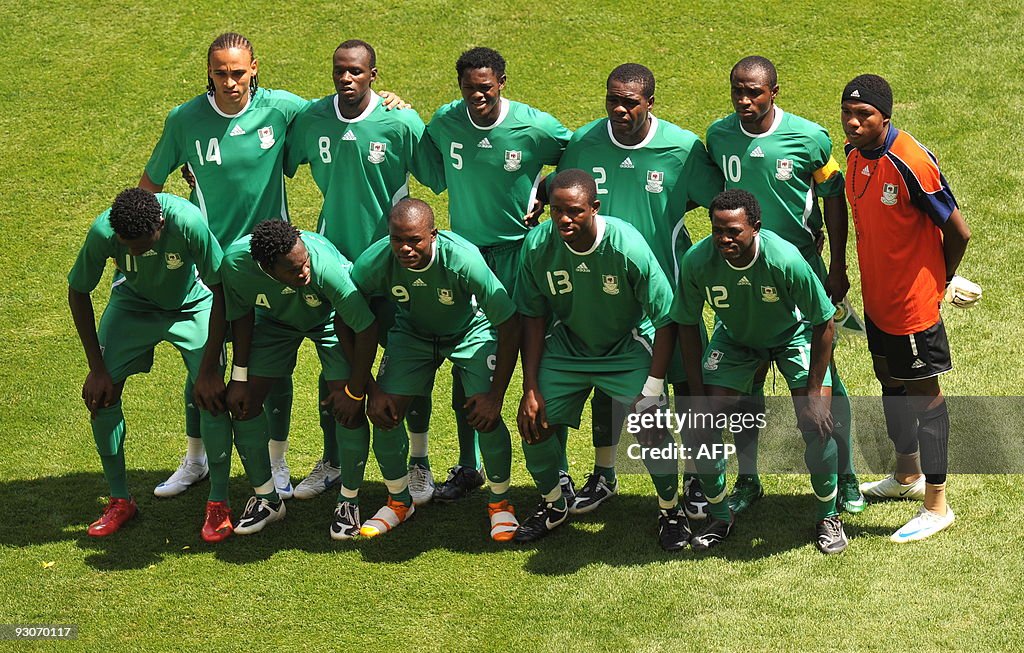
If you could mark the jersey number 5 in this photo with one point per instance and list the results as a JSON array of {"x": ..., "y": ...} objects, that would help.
[
  {"x": 558, "y": 282},
  {"x": 456, "y": 157},
  {"x": 212, "y": 152}
]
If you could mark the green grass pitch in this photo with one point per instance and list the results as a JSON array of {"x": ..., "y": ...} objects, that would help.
[{"x": 84, "y": 90}]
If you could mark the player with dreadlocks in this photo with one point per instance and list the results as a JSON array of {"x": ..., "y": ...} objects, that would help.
[{"x": 231, "y": 141}]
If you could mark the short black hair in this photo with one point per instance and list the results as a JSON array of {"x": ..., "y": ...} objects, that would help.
[
  {"x": 353, "y": 44},
  {"x": 576, "y": 178},
  {"x": 134, "y": 213},
  {"x": 270, "y": 240},
  {"x": 757, "y": 63},
  {"x": 410, "y": 208},
  {"x": 734, "y": 198},
  {"x": 480, "y": 58},
  {"x": 634, "y": 73},
  {"x": 226, "y": 41}
]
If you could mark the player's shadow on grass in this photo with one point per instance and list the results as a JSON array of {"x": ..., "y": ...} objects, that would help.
[{"x": 623, "y": 532}]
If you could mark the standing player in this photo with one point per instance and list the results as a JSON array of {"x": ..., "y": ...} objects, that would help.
[
  {"x": 283, "y": 286},
  {"x": 910, "y": 241},
  {"x": 493, "y": 151},
  {"x": 231, "y": 141},
  {"x": 649, "y": 173},
  {"x": 771, "y": 307},
  {"x": 360, "y": 155},
  {"x": 157, "y": 243},
  {"x": 596, "y": 283},
  {"x": 786, "y": 162},
  {"x": 443, "y": 290}
]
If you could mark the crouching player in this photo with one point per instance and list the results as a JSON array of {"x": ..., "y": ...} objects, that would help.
[
  {"x": 448, "y": 305},
  {"x": 771, "y": 308},
  {"x": 157, "y": 243},
  {"x": 597, "y": 283},
  {"x": 281, "y": 286}
]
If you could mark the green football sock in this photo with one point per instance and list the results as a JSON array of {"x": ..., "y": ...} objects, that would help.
[
  {"x": 278, "y": 409},
  {"x": 543, "y": 460},
  {"x": 251, "y": 441},
  {"x": 842, "y": 415},
  {"x": 417, "y": 417},
  {"x": 192, "y": 419},
  {"x": 217, "y": 440},
  {"x": 353, "y": 452},
  {"x": 108, "y": 430},
  {"x": 496, "y": 448},
  {"x": 821, "y": 462},
  {"x": 469, "y": 447},
  {"x": 327, "y": 424},
  {"x": 711, "y": 473},
  {"x": 746, "y": 439},
  {"x": 562, "y": 436},
  {"x": 391, "y": 449},
  {"x": 607, "y": 472}
]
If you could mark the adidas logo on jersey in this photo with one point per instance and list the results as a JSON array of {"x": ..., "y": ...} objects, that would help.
[
  {"x": 419, "y": 282},
  {"x": 237, "y": 131},
  {"x": 287, "y": 291},
  {"x": 627, "y": 164},
  {"x": 758, "y": 153},
  {"x": 149, "y": 253},
  {"x": 582, "y": 267},
  {"x": 866, "y": 171},
  {"x": 485, "y": 144},
  {"x": 349, "y": 136},
  {"x": 744, "y": 281}
]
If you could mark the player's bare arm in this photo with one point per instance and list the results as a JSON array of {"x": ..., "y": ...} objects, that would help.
[
  {"x": 531, "y": 408},
  {"x": 837, "y": 283},
  {"x": 484, "y": 409},
  {"x": 209, "y": 389},
  {"x": 145, "y": 183},
  {"x": 237, "y": 395},
  {"x": 815, "y": 414},
  {"x": 346, "y": 401},
  {"x": 98, "y": 391}
]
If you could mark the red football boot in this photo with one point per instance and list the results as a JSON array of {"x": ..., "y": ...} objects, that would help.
[
  {"x": 217, "y": 526},
  {"x": 114, "y": 516}
]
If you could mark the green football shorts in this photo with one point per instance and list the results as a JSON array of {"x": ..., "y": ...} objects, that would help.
[
  {"x": 275, "y": 347},
  {"x": 127, "y": 337},
  {"x": 410, "y": 361},
  {"x": 729, "y": 364},
  {"x": 504, "y": 262},
  {"x": 565, "y": 393}
]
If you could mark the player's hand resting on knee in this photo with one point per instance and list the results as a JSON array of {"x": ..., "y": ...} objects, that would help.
[
  {"x": 382, "y": 409},
  {"x": 484, "y": 411},
  {"x": 533, "y": 418},
  {"x": 237, "y": 398},
  {"x": 209, "y": 393},
  {"x": 816, "y": 416},
  {"x": 98, "y": 390},
  {"x": 347, "y": 411}
]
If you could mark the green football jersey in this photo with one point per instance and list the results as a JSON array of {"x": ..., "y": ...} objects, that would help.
[
  {"x": 650, "y": 185},
  {"x": 236, "y": 160},
  {"x": 330, "y": 288},
  {"x": 441, "y": 300},
  {"x": 492, "y": 172},
  {"x": 605, "y": 303},
  {"x": 361, "y": 166},
  {"x": 762, "y": 305},
  {"x": 164, "y": 278},
  {"x": 786, "y": 168}
]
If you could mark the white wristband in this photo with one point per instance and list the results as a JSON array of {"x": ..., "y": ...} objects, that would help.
[
  {"x": 653, "y": 387},
  {"x": 239, "y": 373}
]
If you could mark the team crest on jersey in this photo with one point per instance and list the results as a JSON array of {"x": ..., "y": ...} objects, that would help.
[
  {"x": 173, "y": 260},
  {"x": 889, "y": 194},
  {"x": 513, "y": 160},
  {"x": 445, "y": 296},
  {"x": 611, "y": 284},
  {"x": 784, "y": 169},
  {"x": 769, "y": 294},
  {"x": 377, "y": 151},
  {"x": 711, "y": 364},
  {"x": 311, "y": 300},
  {"x": 655, "y": 181},
  {"x": 266, "y": 135}
]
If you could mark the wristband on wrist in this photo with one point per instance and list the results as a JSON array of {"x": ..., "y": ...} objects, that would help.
[
  {"x": 352, "y": 396},
  {"x": 653, "y": 387},
  {"x": 239, "y": 373}
]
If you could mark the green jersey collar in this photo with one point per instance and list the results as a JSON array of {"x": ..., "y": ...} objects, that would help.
[
  {"x": 433, "y": 256},
  {"x": 643, "y": 143},
  {"x": 599, "y": 221},
  {"x": 213, "y": 103},
  {"x": 374, "y": 101},
  {"x": 757, "y": 252},
  {"x": 505, "y": 105},
  {"x": 776, "y": 121}
]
